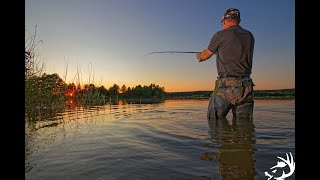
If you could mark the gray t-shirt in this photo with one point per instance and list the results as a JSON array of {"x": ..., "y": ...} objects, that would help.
[{"x": 234, "y": 50}]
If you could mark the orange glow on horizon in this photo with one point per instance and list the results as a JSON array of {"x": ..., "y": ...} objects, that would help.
[
  {"x": 173, "y": 85},
  {"x": 258, "y": 86}
]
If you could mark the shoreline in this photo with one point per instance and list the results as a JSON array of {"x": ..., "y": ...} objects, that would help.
[{"x": 151, "y": 100}]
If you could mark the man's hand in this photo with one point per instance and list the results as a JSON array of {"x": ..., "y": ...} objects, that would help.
[
  {"x": 204, "y": 55},
  {"x": 199, "y": 57}
]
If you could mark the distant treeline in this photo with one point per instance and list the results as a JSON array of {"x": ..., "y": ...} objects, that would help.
[
  {"x": 191, "y": 94},
  {"x": 280, "y": 93},
  {"x": 289, "y": 93},
  {"x": 50, "y": 88}
]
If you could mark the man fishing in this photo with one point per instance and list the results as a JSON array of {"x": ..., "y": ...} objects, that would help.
[{"x": 233, "y": 46}]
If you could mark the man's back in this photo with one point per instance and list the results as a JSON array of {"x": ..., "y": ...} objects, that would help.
[{"x": 234, "y": 50}]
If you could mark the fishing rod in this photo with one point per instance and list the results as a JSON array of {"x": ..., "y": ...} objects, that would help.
[{"x": 170, "y": 52}]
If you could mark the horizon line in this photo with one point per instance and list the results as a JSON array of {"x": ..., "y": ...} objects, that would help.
[{"x": 253, "y": 90}]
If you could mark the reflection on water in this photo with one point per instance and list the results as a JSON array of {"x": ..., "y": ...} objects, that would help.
[
  {"x": 235, "y": 147},
  {"x": 168, "y": 140}
]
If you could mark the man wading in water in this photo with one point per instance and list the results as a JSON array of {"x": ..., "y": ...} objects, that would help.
[{"x": 234, "y": 49}]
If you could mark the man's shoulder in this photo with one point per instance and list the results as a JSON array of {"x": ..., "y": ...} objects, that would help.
[
  {"x": 232, "y": 30},
  {"x": 245, "y": 30},
  {"x": 221, "y": 32}
]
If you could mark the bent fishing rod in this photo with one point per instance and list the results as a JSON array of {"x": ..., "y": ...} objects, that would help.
[{"x": 170, "y": 52}]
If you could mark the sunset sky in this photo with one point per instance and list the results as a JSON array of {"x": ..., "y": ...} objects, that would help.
[{"x": 109, "y": 38}]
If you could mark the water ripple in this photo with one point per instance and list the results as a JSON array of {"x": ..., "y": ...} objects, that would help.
[{"x": 171, "y": 140}]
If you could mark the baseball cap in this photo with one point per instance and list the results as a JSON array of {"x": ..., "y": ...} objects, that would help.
[{"x": 231, "y": 13}]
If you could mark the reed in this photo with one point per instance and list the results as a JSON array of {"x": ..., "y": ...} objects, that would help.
[{"x": 51, "y": 91}]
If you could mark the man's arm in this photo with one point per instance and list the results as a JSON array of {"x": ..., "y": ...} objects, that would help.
[{"x": 204, "y": 55}]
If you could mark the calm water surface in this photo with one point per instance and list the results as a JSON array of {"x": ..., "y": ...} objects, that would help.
[{"x": 169, "y": 140}]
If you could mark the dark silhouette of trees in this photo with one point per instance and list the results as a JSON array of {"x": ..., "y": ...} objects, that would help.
[
  {"x": 114, "y": 90},
  {"x": 45, "y": 89},
  {"x": 123, "y": 89},
  {"x": 103, "y": 91},
  {"x": 151, "y": 91}
]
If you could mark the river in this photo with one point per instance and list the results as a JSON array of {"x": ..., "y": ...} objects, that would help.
[{"x": 168, "y": 140}]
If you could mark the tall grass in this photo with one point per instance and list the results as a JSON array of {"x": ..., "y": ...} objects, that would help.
[{"x": 50, "y": 90}]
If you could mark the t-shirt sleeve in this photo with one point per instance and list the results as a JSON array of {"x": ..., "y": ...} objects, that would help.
[{"x": 214, "y": 43}]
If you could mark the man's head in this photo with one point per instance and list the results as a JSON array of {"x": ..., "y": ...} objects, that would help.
[
  {"x": 230, "y": 18},
  {"x": 231, "y": 14}
]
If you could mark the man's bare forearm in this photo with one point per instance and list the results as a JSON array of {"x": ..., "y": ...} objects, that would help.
[{"x": 204, "y": 55}]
